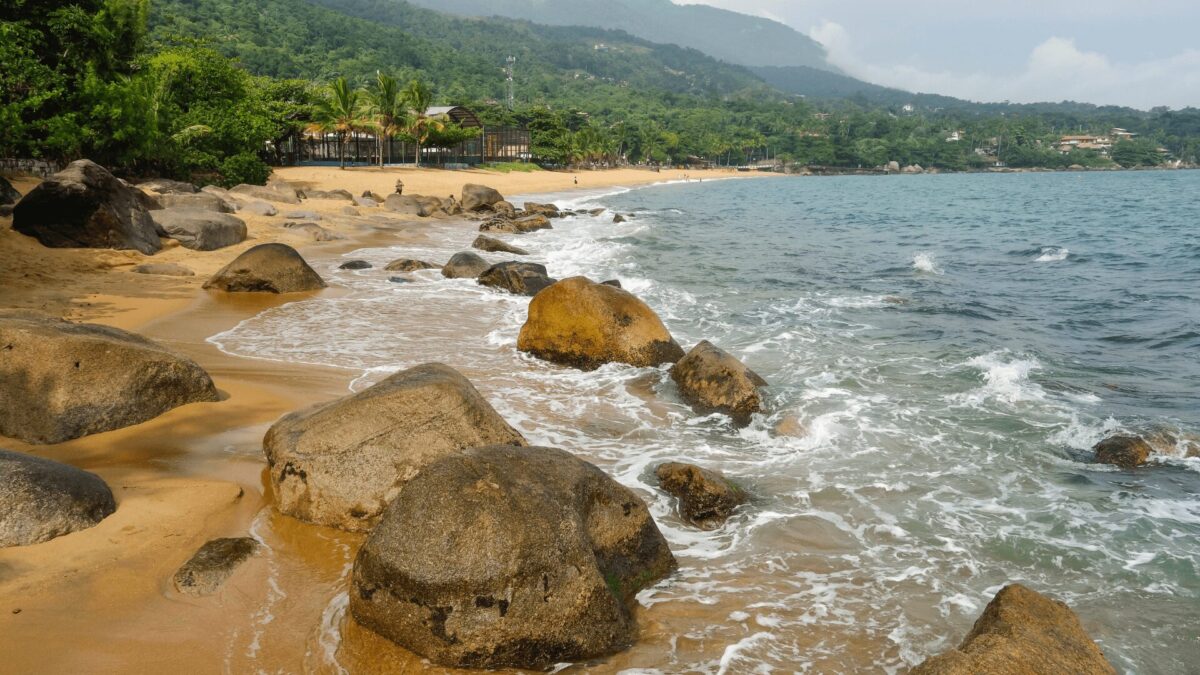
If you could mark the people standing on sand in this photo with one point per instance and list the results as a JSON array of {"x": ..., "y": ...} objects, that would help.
[
  {"x": 399, "y": 187},
  {"x": 577, "y": 180}
]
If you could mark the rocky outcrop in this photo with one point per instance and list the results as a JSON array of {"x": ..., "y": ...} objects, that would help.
[
  {"x": 485, "y": 243},
  {"x": 164, "y": 269},
  {"x": 479, "y": 197},
  {"x": 548, "y": 210},
  {"x": 267, "y": 268},
  {"x": 62, "y": 380},
  {"x": 409, "y": 265},
  {"x": 211, "y": 566},
  {"x": 355, "y": 265},
  {"x": 892, "y": 167},
  {"x": 706, "y": 498},
  {"x": 41, "y": 499},
  {"x": 580, "y": 323},
  {"x": 165, "y": 186},
  {"x": 1022, "y": 632},
  {"x": 502, "y": 557},
  {"x": 266, "y": 194},
  {"x": 618, "y": 219},
  {"x": 519, "y": 278},
  {"x": 85, "y": 206},
  {"x": 200, "y": 230},
  {"x": 8, "y": 193},
  {"x": 201, "y": 201},
  {"x": 465, "y": 265},
  {"x": 414, "y": 205},
  {"x": 912, "y": 168},
  {"x": 1127, "y": 452},
  {"x": 519, "y": 226},
  {"x": 713, "y": 380},
  {"x": 505, "y": 209},
  {"x": 344, "y": 195},
  {"x": 342, "y": 462}
]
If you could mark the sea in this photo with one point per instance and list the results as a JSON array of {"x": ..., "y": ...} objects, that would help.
[{"x": 942, "y": 351}]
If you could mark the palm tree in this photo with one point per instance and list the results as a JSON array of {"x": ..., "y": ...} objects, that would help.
[
  {"x": 341, "y": 113},
  {"x": 387, "y": 111},
  {"x": 418, "y": 96}
]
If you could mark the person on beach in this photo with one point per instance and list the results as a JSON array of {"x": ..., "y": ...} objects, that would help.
[
  {"x": 399, "y": 187},
  {"x": 577, "y": 180}
]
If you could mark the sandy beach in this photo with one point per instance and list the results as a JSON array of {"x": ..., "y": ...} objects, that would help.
[{"x": 101, "y": 600}]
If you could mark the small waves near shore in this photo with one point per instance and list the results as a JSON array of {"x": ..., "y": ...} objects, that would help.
[{"x": 938, "y": 375}]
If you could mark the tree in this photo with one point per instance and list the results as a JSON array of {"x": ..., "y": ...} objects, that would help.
[
  {"x": 418, "y": 96},
  {"x": 387, "y": 111},
  {"x": 339, "y": 112}
]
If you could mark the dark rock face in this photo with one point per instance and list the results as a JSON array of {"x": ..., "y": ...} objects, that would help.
[
  {"x": 618, "y": 218},
  {"x": 713, "y": 380},
  {"x": 519, "y": 278},
  {"x": 485, "y": 243},
  {"x": 200, "y": 201},
  {"x": 355, "y": 265},
  {"x": 8, "y": 193},
  {"x": 706, "y": 498},
  {"x": 1022, "y": 632},
  {"x": 211, "y": 566},
  {"x": 165, "y": 186},
  {"x": 479, "y": 197},
  {"x": 409, "y": 265},
  {"x": 41, "y": 499},
  {"x": 340, "y": 463},
  {"x": 1127, "y": 452},
  {"x": 164, "y": 269},
  {"x": 548, "y": 210},
  {"x": 266, "y": 194},
  {"x": 85, "y": 206},
  {"x": 267, "y": 268},
  {"x": 580, "y": 323},
  {"x": 62, "y": 380},
  {"x": 465, "y": 265},
  {"x": 507, "y": 557},
  {"x": 200, "y": 230},
  {"x": 615, "y": 283}
]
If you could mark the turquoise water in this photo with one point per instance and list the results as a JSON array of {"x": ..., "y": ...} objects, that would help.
[{"x": 942, "y": 351}]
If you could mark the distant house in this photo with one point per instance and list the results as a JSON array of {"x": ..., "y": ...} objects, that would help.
[
  {"x": 1067, "y": 144},
  {"x": 955, "y": 136},
  {"x": 1120, "y": 134}
]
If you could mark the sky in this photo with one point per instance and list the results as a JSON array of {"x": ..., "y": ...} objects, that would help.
[{"x": 1137, "y": 53}]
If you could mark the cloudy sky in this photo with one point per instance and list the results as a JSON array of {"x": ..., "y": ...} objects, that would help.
[{"x": 1141, "y": 53}]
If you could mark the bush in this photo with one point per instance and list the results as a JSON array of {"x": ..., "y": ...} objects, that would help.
[{"x": 244, "y": 168}]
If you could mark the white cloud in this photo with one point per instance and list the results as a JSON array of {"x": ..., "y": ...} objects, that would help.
[{"x": 1056, "y": 70}]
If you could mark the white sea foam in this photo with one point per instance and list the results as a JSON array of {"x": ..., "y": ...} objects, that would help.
[
  {"x": 926, "y": 263},
  {"x": 1005, "y": 379},
  {"x": 1052, "y": 254}
]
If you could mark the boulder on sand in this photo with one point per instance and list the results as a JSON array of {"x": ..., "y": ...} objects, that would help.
[
  {"x": 1022, "y": 632},
  {"x": 580, "y": 323},
  {"x": 519, "y": 278},
  {"x": 409, "y": 265},
  {"x": 1127, "y": 452},
  {"x": 212, "y": 565},
  {"x": 259, "y": 208},
  {"x": 713, "y": 380},
  {"x": 504, "y": 557},
  {"x": 330, "y": 194},
  {"x": 164, "y": 269},
  {"x": 340, "y": 463},
  {"x": 465, "y": 265},
  {"x": 479, "y": 197},
  {"x": 200, "y": 230},
  {"x": 266, "y": 194},
  {"x": 41, "y": 499},
  {"x": 314, "y": 231},
  {"x": 85, "y": 206},
  {"x": 8, "y": 193},
  {"x": 267, "y": 268},
  {"x": 548, "y": 210},
  {"x": 203, "y": 201},
  {"x": 165, "y": 186},
  {"x": 413, "y": 205},
  {"x": 706, "y": 498},
  {"x": 62, "y": 380},
  {"x": 486, "y": 243}
]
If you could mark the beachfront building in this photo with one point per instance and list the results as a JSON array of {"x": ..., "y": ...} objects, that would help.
[
  {"x": 493, "y": 144},
  {"x": 1068, "y": 144}
]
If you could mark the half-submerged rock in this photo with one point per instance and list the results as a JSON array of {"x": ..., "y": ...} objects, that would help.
[
  {"x": 85, "y": 206},
  {"x": 409, "y": 265},
  {"x": 706, "y": 498},
  {"x": 465, "y": 265},
  {"x": 211, "y": 566},
  {"x": 491, "y": 245},
  {"x": 713, "y": 380},
  {"x": 62, "y": 380},
  {"x": 1022, "y": 632},
  {"x": 1127, "y": 452},
  {"x": 340, "y": 463},
  {"x": 41, "y": 499},
  {"x": 267, "y": 268},
  {"x": 479, "y": 197},
  {"x": 504, "y": 557},
  {"x": 580, "y": 323},
  {"x": 519, "y": 278}
]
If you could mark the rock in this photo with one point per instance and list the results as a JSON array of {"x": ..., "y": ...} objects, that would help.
[
  {"x": 62, "y": 380},
  {"x": 41, "y": 499},
  {"x": 1127, "y": 452},
  {"x": 201, "y": 201},
  {"x": 713, "y": 380},
  {"x": 8, "y": 193},
  {"x": 340, "y": 463},
  {"x": 366, "y": 202},
  {"x": 372, "y": 196},
  {"x": 619, "y": 218},
  {"x": 309, "y": 216},
  {"x": 6, "y": 210},
  {"x": 266, "y": 194},
  {"x": 314, "y": 231},
  {"x": 484, "y": 243},
  {"x": 259, "y": 208},
  {"x": 355, "y": 265},
  {"x": 580, "y": 323},
  {"x": 1075, "y": 167},
  {"x": 329, "y": 194},
  {"x": 413, "y": 205},
  {"x": 533, "y": 224},
  {"x": 479, "y": 197},
  {"x": 1022, "y": 632},
  {"x": 912, "y": 168},
  {"x": 893, "y": 167},
  {"x": 596, "y": 212},
  {"x": 465, "y": 265},
  {"x": 213, "y": 564},
  {"x": 281, "y": 185},
  {"x": 200, "y": 230},
  {"x": 164, "y": 186},
  {"x": 267, "y": 268},
  {"x": 519, "y": 278},
  {"x": 85, "y": 206},
  {"x": 164, "y": 269},
  {"x": 349, "y": 211},
  {"x": 504, "y": 208},
  {"x": 399, "y": 280},
  {"x": 502, "y": 557},
  {"x": 409, "y": 265},
  {"x": 706, "y": 498},
  {"x": 615, "y": 283},
  {"x": 548, "y": 210}
]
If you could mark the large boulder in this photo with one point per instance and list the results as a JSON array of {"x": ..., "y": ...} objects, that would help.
[
  {"x": 706, "y": 498},
  {"x": 211, "y": 566},
  {"x": 1127, "y": 452},
  {"x": 41, "y": 499},
  {"x": 519, "y": 226},
  {"x": 200, "y": 230},
  {"x": 330, "y": 194},
  {"x": 266, "y": 194},
  {"x": 580, "y": 323},
  {"x": 520, "y": 278},
  {"x": 267, "y": 268},
  {"x": 713, "y": 380},
  {"x": 340, "y": 463},
  {"x": 259, "y": 208},
  {"x": 504, "y": 208},
  {"x": 62, "y": 380},
  {"x": 85, "y": 206},
  {"x": 1022, "y": 632},
  {"x": 166, "y": 186},
  {"x": 413, "y": 205},
  {"x": 8, "y": 193},
  {"x": 409, "y": 265},
  {"x": 465, "y": 265},
  {"x": 486, "y": 243},
  {"x": 548, "y": 210},
  {"x": 509, "y": 558},
  {"x": 479, "y": 197},
  {"x": 202, "y": 201}
]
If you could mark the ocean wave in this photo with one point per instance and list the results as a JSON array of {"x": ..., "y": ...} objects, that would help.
[
  {"x": 1052, "y": 254},
  {"x": 926, "y": 263}
]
